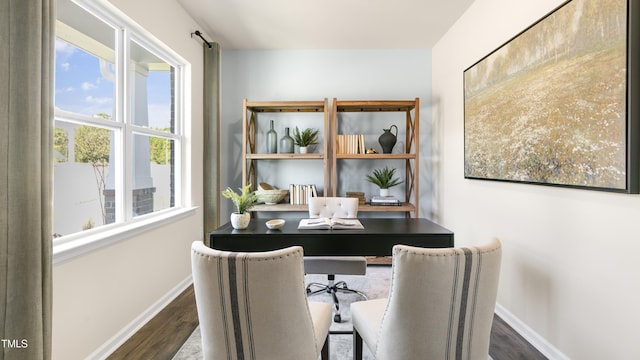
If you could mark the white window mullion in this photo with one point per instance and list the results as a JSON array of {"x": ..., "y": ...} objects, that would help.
[
  {"x": 178, "y": 163},
  {"x": 180, "y": 156},
  {"x": 122, "y": 140},
  {"x": 153, "y": 132}
]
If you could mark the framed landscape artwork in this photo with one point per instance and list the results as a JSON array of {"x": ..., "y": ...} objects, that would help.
[{"x": 556, "y": 105}]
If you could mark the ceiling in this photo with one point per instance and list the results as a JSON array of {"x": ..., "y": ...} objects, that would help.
[{"x": 325, "y": 24}]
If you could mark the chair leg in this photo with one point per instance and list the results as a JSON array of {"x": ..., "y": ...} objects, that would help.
[
  {"x": 336, "y": 303},
  {"x": 357, "y": 345},
  {"x": 342, "y": 287},
  {"x": 333, "y": 288},
  {"x": 321, "y": 288},
  {"x": 324, "y": 354}
]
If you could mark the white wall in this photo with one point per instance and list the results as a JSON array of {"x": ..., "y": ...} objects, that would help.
[
  {"x": 269, "y": 75},
  {"x": 570, "y": 269},
  {"x": 98, "y": 295}
]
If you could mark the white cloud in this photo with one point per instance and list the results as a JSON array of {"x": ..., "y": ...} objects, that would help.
[
  {"x": 88, "y": 86},
  {"x": 67, "y": 89},
  {"x": 63, "y": 47},
  {"x": 65, "y": 66},
  {"x": 97, "y": 100}
]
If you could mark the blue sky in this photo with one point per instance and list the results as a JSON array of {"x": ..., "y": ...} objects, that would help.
[{"x": 80, "y": 87}]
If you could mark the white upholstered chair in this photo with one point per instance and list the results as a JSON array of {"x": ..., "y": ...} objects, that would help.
[
  {"x": 254, "y": 306},
  {"x": 440, "y": 305},
  {"x": 334, "y": 207}
]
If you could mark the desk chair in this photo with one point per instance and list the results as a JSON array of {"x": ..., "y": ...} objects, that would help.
[
  {"x": 440, "y": 306},
  {"x": 334, "y": 207},
  {"x": 254, "y": 304}
]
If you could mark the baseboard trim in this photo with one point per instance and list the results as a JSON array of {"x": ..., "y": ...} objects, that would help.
[
  {"x": 537, "y": 341},
  {"x": 123, "y": 335}
]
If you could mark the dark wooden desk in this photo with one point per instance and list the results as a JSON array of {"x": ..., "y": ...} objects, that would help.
[{"x": 377, "y": 238}]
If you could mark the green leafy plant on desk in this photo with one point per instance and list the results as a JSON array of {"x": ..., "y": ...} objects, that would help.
[{"x": 243, "y": 201}]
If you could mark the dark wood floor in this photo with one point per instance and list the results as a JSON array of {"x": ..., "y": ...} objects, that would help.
[
  {"x": 162, "y": 337},
  {"x": 506, "y": 344}
]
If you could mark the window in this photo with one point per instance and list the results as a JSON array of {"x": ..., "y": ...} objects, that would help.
[{"x": 118, "y": 135}]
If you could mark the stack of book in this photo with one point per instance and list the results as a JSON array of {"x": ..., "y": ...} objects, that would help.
[
  {"x": 350, "y": 144},
  {"x": 384, "y": 200},
  {"x": 300, "y": 194}
]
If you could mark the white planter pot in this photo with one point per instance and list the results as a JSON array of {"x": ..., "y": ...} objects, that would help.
[
  {"x": 304, "y": 149},
  {"x": 240, "y": 221},
  {"x": 384, "y": 192}
]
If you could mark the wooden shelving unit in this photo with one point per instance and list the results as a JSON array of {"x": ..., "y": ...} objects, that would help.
[
  {"x": 411, "y": 110},
  {"x": 328, "y": 157},
  {"x": 251, "y": 157}
]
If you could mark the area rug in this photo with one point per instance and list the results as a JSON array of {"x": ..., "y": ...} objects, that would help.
[{"x": 375, "y": 285}]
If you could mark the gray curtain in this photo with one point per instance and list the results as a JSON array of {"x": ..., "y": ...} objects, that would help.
[
  {"x": 26, "y": 136},
  {"x": 211, "y": 100}
]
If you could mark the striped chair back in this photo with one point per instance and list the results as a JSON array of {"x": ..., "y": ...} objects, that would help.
[
  {"x": 253, "y": 305},
  {"x": 441, "y": 303}
]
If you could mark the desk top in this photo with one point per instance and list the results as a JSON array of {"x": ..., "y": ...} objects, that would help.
[{"x": 377, "y": 238}]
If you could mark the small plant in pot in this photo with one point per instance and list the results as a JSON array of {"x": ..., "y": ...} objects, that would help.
[
  {"x": 243, "y": 202},
  {"x": 305, "y": 138},
  {"x": 384, "y": 179}
]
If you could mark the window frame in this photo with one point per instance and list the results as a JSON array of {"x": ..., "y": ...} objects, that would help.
[{"x": 126, "y": 225}]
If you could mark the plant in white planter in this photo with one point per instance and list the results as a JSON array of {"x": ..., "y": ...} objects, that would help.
[
  {"x": 384, "y": 179},
  {"x": 305, "y": 138},
  {"x": 243, "y": 202}
]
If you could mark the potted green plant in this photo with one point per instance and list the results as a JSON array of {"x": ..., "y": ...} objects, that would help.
[
  {"x": 305, "y": 138},
  {"x": 384, "y": 179},
  {"x": 243, "y": 202}
]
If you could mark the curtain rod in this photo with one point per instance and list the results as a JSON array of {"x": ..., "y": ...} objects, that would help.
[{"x": 199, "y": 34}]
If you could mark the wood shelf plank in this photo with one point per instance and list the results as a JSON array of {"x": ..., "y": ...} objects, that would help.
[
  {"x": 284, "y": 156},
  {"x": 280, "y": 207},
  {"x": 404, "y": 207},
  {"x": 376, "y": 156},
  {"x": 376, "y": 105},
  {"x": 285, "y": 106}
]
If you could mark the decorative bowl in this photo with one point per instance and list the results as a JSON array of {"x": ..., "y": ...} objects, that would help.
[
  {"x": 271, "y": 197},
  {"x": 275, "y": 224},
  {"x": 265, "y": 186}
]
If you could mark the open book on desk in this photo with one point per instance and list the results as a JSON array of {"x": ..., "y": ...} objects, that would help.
[{"x": 327, "y": 223}]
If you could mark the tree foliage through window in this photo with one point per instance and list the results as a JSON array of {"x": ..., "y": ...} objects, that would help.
[{"x": 92, "y": 145}]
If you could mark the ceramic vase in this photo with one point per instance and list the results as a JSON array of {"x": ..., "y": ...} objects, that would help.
[
  {"x": 286, "y": 143},
  {"x": 240, "y": 221},
  {"x": 272, "y": 140},
  {"x": 388, "y": 140}
]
